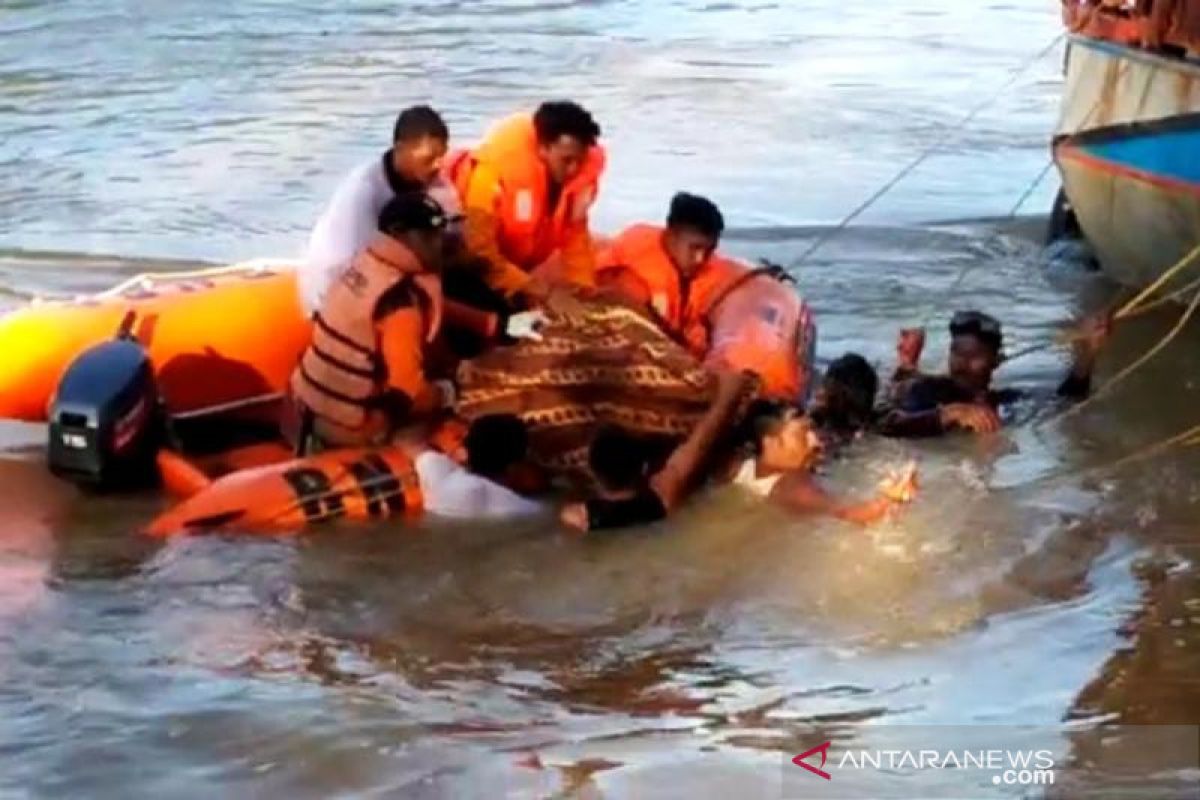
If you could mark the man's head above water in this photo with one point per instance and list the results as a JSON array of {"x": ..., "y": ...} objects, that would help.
[
  {"x": 619, "y": 460},
  {"x": 565, "y": 133},
  {"x": 420, "y": 139},
  {"x": 845, "y": 399},
  {"x": 976, "y": 340},
  {"x": 780, "y": 436},
  {"x": 694, "y": 228}
]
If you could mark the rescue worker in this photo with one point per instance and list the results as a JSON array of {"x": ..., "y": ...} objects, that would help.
[
  {"x": 727, "y": 314},
  {"x": 350, "y": 221},
  {"x": 675, "y": 270},
  {"x": 364, "y": 373},
  {"x": 526, "y": 191}
]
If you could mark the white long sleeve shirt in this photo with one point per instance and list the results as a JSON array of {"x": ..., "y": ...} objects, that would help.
[
  {"x": 348, "y": 224},
  {"x": 450, "y": 490}
]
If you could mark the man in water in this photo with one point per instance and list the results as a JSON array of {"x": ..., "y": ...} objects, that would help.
[
  {"x": 349, "y": 222},
  {"x": 963, "y": 398},
  {"x": 785, "y": 449},
  {"x": 478, "y": 479},
  {"x": 527, "y": 190}
]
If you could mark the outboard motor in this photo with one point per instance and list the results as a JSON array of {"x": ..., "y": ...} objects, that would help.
[{"x": 106, "y": 421}]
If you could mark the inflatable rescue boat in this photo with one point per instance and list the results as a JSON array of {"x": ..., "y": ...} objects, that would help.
[
  {"x": 214, "y": 337},
  {"x": 132, "y": 379}
]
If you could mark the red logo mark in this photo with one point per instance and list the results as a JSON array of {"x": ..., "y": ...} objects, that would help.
[{"x": 823, "y": 749}]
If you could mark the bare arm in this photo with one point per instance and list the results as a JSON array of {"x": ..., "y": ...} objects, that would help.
[
  {"x": 801, "y": 493},
  {"x": 670, "y": 484}
]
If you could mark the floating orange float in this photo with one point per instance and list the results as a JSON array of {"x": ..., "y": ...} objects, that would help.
[
  {"x": 215, "y": 337},
  {"x": 761, "y": 324}
]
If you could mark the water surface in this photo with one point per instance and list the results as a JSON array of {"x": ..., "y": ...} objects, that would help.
[{"x": 688, "y": 659}]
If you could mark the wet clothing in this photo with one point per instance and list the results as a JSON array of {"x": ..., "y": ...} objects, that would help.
[
  {"x": 747, "y": 478},
  {"x": 351, "y": 221},
  {"x": 643, "y": 508},
  {"x": 912, "y": 410},
  {"x": 450, "y": 490}
]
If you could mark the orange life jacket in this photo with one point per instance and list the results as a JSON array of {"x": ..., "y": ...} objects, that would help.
[
  {"x": 636, "y": 265},
  {"x": 342, "y": 377},
  {"x": 529, "y": 230}
]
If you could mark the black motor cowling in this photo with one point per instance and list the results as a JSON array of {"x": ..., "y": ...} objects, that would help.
[{"x": 106, "y": 421}]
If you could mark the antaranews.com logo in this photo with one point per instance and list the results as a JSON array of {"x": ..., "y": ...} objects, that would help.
[
  {"x": 1009, "y": 767},
  {"x": 964, "y": 762}
]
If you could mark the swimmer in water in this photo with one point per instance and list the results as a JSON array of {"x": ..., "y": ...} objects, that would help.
[
  {"x": 785, "y": 450},
  {"x": 964, "y": 398}
]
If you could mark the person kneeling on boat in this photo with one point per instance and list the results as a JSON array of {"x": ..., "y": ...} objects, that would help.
[
  {"x": 348, "y": 224},
  {"x": 527, "y": 190},
  {"x": 674, "y": 270},
  {"x": 363, "y": 376},
  {"x": 963, "y": 398},
  {"x": 724, "y": 312}
]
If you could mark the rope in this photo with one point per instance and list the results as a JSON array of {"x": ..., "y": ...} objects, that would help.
[
  {"x": 1175, "y": 295},
  {"x": 928, "y": 152},
  {"x": 1132, "y": 306},
  {"x": 932, "y": 307},
  {"x": 144, "y": 279},
  {"x": 1180, "y": 324}
]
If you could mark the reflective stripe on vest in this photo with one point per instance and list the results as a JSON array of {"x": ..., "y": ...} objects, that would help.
[{"x": 529, "y": 231}]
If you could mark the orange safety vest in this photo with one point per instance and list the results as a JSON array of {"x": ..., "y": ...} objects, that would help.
[
  {"x": 529, "y": 230},
  {"x": 342, "y": 377},
  {"x": 636, "y": 265}
]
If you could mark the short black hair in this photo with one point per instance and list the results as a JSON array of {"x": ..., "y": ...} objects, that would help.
[
  {"x": 850, "y": 383},
  {"x": 618, "y": 459},
  {"x": 560, "y": 118},
  {"x": 419, "y": 122},
  {"x": 494, "y": 443},
  {"x": 983, "y": 327},
  {"x": 696, "y": 212},
  {"x": 762, "y": 418},
  {"x": 411, "y": 211}
]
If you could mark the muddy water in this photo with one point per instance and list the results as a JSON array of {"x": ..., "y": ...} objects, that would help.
[{"x": 689, "y": 659}]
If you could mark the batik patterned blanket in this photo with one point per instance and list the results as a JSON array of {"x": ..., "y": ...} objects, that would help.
[{"x": 611, "y": 364}]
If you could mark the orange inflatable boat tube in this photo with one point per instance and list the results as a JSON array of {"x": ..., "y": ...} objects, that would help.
[
  {"x": 763, "y": 325},
  {"x": 215, "y": 337},
  {"x": 354, "y": 484}
]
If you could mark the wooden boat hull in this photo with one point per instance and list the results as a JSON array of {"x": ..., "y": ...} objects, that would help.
[{"x": 1126, "y": 150}]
